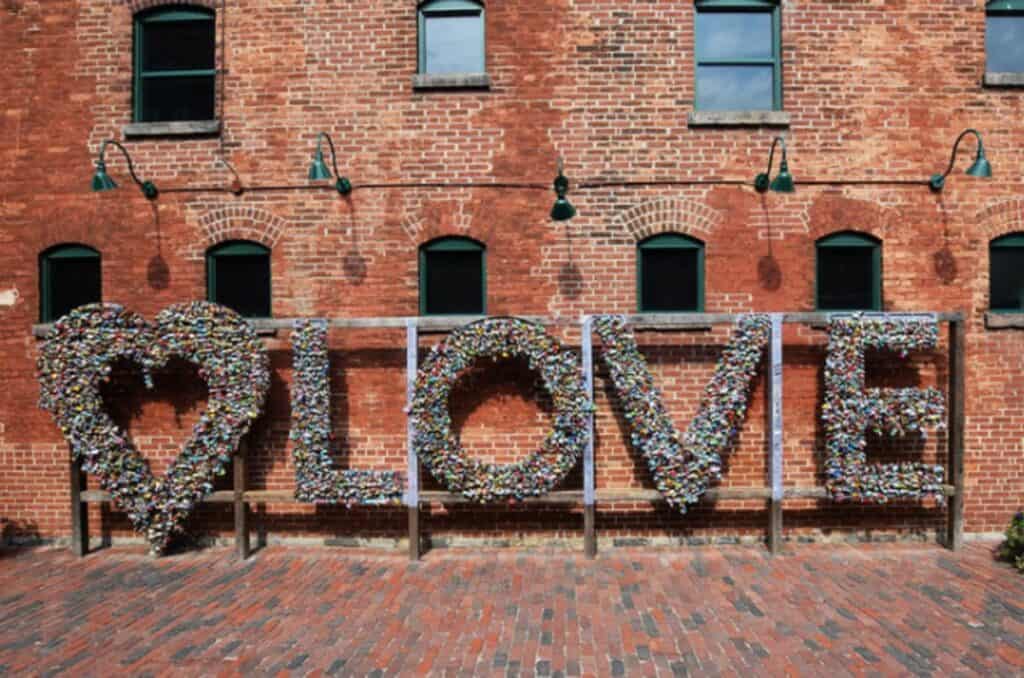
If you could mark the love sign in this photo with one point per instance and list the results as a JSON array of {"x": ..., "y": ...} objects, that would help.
[{"x": 78, "y": 355}]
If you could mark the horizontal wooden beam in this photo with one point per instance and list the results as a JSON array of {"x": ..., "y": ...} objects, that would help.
[
  {"x": 713, "y": 493},
  {"x": 605, "y": 496},
  {"x": 639, "y": 320}
]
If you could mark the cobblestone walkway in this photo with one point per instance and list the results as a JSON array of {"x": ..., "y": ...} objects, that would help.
[{"x": 821, "y": 610}]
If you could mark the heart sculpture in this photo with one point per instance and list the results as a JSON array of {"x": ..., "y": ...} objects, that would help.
[{"x": 77, "y": 358}]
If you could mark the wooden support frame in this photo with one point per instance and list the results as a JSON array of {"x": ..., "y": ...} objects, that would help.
[
  {"x": 955, "y": 431},
  {"x": 589, "y": 497},
  {"x": 241, "y": 508},
  {"x": 412, "y": 484},
  {"x": 775, "y": 459},
  {"x": 589, "y": 512},
  {"x": 79, "y": 510}
]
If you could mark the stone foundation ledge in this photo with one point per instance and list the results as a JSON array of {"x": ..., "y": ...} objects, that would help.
[{"x": 536, "y": 543}]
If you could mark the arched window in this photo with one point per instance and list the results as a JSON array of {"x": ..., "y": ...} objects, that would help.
[
  {"x": 1004, "y": 37},
  {"x": 849, "y": 273},
  {"x": 238, "y": 276},
  {"x": 453, "y": 277},
  {"x": 670, "y": 273},
  {"x": 451, "y": 37},
  {"x": 69, "y": 277},
  {"x": 738, "y": 55},
  {"x": 1006, "y": 273},
  {"x": 174, "y": 64}
]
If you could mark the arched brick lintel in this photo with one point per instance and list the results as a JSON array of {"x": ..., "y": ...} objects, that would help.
[
  {"x": 1001, "y": 218},
  {"x": 238, "y": 223},
  {"x": 668, "y": 215},
  {"x": 139, "y": 5}
]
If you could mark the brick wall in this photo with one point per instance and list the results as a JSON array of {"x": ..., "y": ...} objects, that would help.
[{"x": 874, "y": 89}]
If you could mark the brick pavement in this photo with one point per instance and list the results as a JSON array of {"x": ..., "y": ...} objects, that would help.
[{"x": 821, "y": 609}]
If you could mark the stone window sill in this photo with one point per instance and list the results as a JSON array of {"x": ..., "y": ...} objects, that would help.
[
  {"x": 428, "y": 81},
  {"x": 177, "y": 128},
  {"x": 738, "y": 119},
  {"x": 1011, "y": 79},
  {"x": 996, "y": 320}
]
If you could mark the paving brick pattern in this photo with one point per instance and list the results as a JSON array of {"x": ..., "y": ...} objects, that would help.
[{"x": 835, "y": 610}]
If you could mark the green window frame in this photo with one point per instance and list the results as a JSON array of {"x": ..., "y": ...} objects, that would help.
[
  {"x": 849, "y": 240},
  {"x": 1005, "y": 12},
  {"x": 772, "y": 7},
  {"x": 181, "y": 14},
  {"x": 215, "y": 257},
  {"x": 450, "y": 244},
  {"x": 448, "y": 9},
  {"x": 1004, "y": 248},
  {"x": 49, "y": 260},
  {"x": 662, "y": 242}
]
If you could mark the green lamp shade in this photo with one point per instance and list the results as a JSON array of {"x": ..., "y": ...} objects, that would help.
[
  {"x": 980, "y": 168},
  {"x": 783, "y": 182},
  {"x": 101, "y": 181},
  {"x": 318, "y": 170},
  {"x": 562, "y": 210}
]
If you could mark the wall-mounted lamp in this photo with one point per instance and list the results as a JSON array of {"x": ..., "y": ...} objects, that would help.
[
  {"x": 979, "y": 168},
  {"x": 318, "y": 170},
  {"x": 101, "y": 181},
  {"x": 783, "y": 182},
  {"x": 562, "y": 209}
]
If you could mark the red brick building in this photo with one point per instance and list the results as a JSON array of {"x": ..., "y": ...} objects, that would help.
[{"x": 443, "y": 116}]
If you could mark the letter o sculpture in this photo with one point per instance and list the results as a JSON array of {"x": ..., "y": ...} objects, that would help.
[{"x": 438, "y": 447}]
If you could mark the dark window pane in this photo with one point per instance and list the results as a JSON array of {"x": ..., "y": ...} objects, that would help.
[
  {"x": 185, "y": 98},
  {"x": 454, "y": 282},
  {"x": 846, "y": 278},
  {"x": 723, "y": 36},
  {"x": 242, "y": 283},
  {"x": 668, "y": 280},
  {"x": 177, "y": 45},
  {"x": 735, "y": 88},
  {"x": 1008, "y": 278},
  {"x": 73, "y": 282},
  {"x": 1004, "y": 44},
  {"x": 453, "y": 44}
]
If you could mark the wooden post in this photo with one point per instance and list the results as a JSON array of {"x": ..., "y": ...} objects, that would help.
[
  {"x": 589, "y": 509},
  {"x": 775, "y": 466},
  {"x": 412, "y": 489},
  {"x": 955, "y": 429},
  {"x": 79, "y": 511},
  {"x": 241, "y": 507}
]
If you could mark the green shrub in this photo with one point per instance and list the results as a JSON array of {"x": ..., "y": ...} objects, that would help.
[{"x": 1013, "y": 548}]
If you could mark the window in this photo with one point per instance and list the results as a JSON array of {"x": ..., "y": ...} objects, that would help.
[
  {"x": 1006, "y": 273},
  {"x": 453, "y": 277},
  {"x": 174, "y": 64},
  {"x": 451, "y": 37},
  {"x": 738, "y": 56},
  {"x": 238, "y": 276},
  {"x": 69, "y": 277},
  {"x": 1004, "y": 36},
  {"x": 849, "y": 273},
  {"x": 670, "y": 274}
]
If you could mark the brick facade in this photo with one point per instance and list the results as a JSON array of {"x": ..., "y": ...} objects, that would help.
[{"x": 874, "y": 90}]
